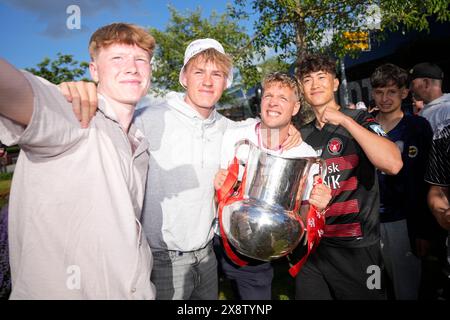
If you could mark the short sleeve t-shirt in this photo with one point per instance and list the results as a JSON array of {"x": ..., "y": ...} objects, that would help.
[{"x": 438, "y": 171}]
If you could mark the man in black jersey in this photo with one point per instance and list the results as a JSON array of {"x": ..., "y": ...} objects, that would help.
[{"x": 347, "y": 263}]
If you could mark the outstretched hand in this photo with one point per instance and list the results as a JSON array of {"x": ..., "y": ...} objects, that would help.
[{"x": 83, "y": 96}]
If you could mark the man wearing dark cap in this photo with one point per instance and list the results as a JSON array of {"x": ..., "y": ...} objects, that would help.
[{"x": 426, "y": 84}]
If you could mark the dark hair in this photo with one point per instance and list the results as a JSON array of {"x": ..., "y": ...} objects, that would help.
[
  {"x": 388, "y": 74},
  {"x": 314, "y": 63}
]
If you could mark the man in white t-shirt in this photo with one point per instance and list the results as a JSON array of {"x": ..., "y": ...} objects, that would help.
[{"x": 280, "y": 102}]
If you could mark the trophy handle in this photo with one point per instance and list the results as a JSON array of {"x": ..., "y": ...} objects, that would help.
[
  {"x": 322, "y": 167},
  {"x": 239, "y": 144}
]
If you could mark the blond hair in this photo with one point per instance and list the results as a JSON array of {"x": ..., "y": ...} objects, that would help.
[
  {"x": 222, "y": 61},
  {"x": 122, "y": 33},
  {"x": 285, "y": 80}
]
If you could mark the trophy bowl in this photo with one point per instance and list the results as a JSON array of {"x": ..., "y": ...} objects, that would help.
[{"x": 261, "y": 231}]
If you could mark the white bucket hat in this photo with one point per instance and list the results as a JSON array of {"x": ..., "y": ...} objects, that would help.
[{"x": 198, "y": 46}]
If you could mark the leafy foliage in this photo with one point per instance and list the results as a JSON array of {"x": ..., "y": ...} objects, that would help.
[
  {"x": 63, "y": 69},
  {"x": 413, "y": 14},
  {"x": 271, "y": 65},
  {"x": 184, "y": 28},
  {"x": 295, "y": 27}
]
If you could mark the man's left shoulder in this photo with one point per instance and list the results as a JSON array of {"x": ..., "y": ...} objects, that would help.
[
  {"x": 417, "y": 122},
  {"x": 359, "y": 115},
  {"x": 302, "y": 150},
  {"x": 231, "y": 124},
  {"x": 240, "y": 130}
]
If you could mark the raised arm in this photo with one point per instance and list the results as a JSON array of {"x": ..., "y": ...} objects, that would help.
[
  {"x": 382, "y": 152},
  {"x": 16, "y": 95}
]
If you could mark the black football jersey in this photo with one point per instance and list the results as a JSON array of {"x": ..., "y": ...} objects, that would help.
[{"x": 352, "y": 219}]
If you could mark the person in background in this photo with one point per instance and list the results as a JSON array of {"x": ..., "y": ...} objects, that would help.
[
  {"x": 438, "y": 176},
  {"x": 417, "y": 105},
  {"x": 426, "y": 85},
  {"x": 404, "y": 215}
]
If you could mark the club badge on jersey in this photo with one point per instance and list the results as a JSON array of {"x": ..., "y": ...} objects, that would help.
[{"x": 335, "y": 146}]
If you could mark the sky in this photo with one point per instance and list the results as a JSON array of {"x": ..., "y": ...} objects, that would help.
[{"x": 31, "y": 30}]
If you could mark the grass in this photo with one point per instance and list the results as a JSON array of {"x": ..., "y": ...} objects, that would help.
[
  {"x": 283, "y": 285},
  {"x": 5, "y": 185},
  {"x": 13, "y": 149},
  {"x": 6, "y": 176}
]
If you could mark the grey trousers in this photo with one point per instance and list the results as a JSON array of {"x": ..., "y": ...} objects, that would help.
[
  {"x": 185, "y": 275},
  {"x": 402, "y": 266}
]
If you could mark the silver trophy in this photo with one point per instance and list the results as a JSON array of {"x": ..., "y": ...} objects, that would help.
[{"x": 266, "y": 224}]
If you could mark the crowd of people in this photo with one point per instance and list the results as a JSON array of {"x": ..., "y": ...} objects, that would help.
[{"x": 113, "y": 202}]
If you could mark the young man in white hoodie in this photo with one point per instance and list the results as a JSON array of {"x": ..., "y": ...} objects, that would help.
[{"x": 185, "y": 134}]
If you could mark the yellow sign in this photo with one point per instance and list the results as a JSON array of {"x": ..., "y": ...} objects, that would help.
[{"x": 358, "y": 40}]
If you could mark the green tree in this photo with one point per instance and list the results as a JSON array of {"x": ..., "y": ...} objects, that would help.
[
  {"x": 182, "y": 29},
  {"x": 64, "y": 68},
  {"x": 272, "y": 64},
  {"x": 295, "y": 27}
]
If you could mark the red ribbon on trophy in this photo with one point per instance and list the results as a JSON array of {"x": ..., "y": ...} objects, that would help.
[
  {"x": 315, "y": 223},
  {"x": 225, "y": 196}
]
